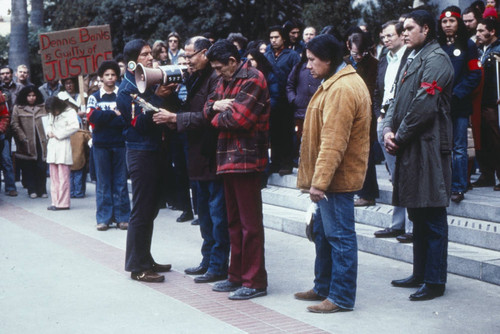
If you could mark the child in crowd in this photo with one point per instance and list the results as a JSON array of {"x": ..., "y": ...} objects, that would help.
[{"x": 62, "y": 123}]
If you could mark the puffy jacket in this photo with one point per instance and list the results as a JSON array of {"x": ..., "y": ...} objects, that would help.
[{"x": 300, "y": 87}]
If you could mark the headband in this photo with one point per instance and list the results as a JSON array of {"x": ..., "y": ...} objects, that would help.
[{"x": 449, "y": 14}]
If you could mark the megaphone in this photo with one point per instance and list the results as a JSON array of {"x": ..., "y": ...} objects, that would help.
[{"x": 146, "y": 77}]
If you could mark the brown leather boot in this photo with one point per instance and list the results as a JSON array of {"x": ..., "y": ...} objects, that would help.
[
  {"x": 308, "y": 295},
  {"x": 325, "y": 306}
]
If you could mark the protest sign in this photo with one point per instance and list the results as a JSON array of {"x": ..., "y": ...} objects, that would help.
[{"x": 74, "y": 52}]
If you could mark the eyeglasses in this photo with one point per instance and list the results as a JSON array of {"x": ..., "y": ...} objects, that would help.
[
  {"x": 355, "y": 54},
  {"x": 194, "y": 54},
  {"x": 388, "y": 36}
]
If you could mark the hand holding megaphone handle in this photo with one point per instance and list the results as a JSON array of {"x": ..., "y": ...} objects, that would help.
[{"x": 146, "y": 106}]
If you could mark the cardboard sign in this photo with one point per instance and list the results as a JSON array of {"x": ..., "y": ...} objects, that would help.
[{"x": 74, "y": 52}]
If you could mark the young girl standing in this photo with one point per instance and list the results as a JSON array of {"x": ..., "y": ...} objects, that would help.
[{"x": 62, "y": 123}]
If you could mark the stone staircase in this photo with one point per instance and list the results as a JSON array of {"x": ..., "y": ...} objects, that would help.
[{"x": 474, "y": 225}]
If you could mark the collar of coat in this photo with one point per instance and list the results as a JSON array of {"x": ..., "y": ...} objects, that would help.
[
  {"x": 422, "y": 54},
  {"x": 343, "y": 72}
]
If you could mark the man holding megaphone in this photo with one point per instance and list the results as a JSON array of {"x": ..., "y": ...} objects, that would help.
[{"x": 142, "y": 140}]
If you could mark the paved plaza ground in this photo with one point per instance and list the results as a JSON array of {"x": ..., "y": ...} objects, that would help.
[{"x": 60, "y": 275}]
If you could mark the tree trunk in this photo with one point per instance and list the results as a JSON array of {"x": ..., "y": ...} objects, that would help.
[
  {"x": 19, "y": 48},
  {"x": 36, "y": 17}
]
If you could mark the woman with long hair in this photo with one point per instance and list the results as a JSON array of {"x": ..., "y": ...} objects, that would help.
[
  {"x": 62, "y": 123},
  {"x": 31, "y": 141}
]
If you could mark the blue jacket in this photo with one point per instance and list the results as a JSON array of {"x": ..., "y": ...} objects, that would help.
[
  {"x": 300, "y": 88},
  {"x": 282, "y": 66},
  {"x": 467, "y": 77},
  {"x": 141, "y": 133},
  {"x": 107, "y": 126},
  {"x": 490, "y": 81}
]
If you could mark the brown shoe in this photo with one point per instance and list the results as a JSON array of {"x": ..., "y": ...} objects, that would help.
[
  {"x": 11, "y": 193},
  {"x": 364, "y": 202},
  {"x": 102, "y": 227},
  {"x": 308, "y": 295},
  {"x": 148, "y": 276},
  {"x": 123, "y": 225},
  {"x": 325, "y": 306}
]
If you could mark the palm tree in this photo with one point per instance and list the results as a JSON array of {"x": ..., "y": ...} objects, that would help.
[
  {"x": 19, "y": 48},
  {"x": 36, "y": 16}
]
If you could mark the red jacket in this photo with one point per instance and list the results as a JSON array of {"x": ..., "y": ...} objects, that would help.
[
  {"x": 4, "y": 115},
  {"x": 244, "y": 128}
]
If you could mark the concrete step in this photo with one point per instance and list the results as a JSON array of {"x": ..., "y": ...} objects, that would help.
[
  {"x": 479, "y": 203},
  {"x": 469, "y": 261},
  {"x": 467, "y": 231}
]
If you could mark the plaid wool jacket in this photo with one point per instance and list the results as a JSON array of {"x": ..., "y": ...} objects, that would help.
[{"x": 244, "y": 128}]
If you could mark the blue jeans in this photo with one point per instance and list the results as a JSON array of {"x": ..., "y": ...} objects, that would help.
[
  {"x": 459, "y": 154},
  {"x": 78, "y": 183},
  {"x": 112, "y": 199},
  {"x": 213, "y": 226},
  {"x": 430, "y": 244},
  {"x": 336, "y": 265},
  {"x": 7, "y": 167}
]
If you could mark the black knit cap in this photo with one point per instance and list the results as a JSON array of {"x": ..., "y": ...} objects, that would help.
[{"x": 108, "y": 65}]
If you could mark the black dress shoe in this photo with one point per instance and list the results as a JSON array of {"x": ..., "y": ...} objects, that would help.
[
  {"x": 428, "y": 292},
  {"x": 406, "y": 238},
  {"x": 484, "y": 182},
  {"x": 457, "y": 196},
  {"x": 409, "y": 282},
  {"x": 196, "y": 270},
  {"x": 209, "y": 278},
  {"x": 185, "y": 216},
  {"x": 388, "y": 233},
  {"x": 196, "y": 222},
  {"x": 161, "y": 268},
  {"x": 147, "y": 276}
]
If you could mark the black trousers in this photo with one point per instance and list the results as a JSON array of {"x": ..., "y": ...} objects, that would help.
[
  {"x": 281, "y": 130},
  {"x": 144, "y": 169}
]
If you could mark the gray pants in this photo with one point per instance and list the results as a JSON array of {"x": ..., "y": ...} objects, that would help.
[{"x": 400, "y": 220}]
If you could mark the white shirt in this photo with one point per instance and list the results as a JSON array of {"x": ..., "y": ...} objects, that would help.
[{"x": 393, "y": 62}]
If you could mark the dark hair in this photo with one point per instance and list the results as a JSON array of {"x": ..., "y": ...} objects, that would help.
[
  {"x": 7, "y": 67},
  {"x": 263, "y": 64},
  {"x": 423, "y": 17},
  {"x": 119, "y": 58},
  {"x": 22, "y": 97},
  {"x": 109, "y": 65},
  {"x": 474, "y": 11},
  {"x": 222, "y": 50},
  {"x": 280, "y": 30},
  {"x": 75, "y": 82},
  {"x": 255, "y": 44},
  {"x": 462, "y": 34},
  {"x": 200, "y": 43},
  {"x": 491, "y": 23},
  {"x": 292, "y": 24},
  {"x": 176, "y": 35},
  {"x": 132, "y": 49},
  {"x": 238, "y": 38},
  {"x": 55, "y": 105},
  {"x": 362, "y": 41},
  {"x": 479, "y": 5},
  {"x": 327, "y": 48},
  {"x": 208, "y": 35},
  {"x": 397, "y": 25}
]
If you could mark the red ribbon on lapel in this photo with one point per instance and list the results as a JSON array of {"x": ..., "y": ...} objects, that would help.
[{"x": 431, "y": 88}]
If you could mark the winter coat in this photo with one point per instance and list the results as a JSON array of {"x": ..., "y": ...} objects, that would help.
[
  {"x": 467, "y": 70},
  {"x": 244, "y": 127},
  {"x": 62, "y": 126},
  {"x": 25, "y": 119},
  {"x": 420, "y": 118},
  {"x": 336, "y": 136},
  {"x": 201, "y": 136},
  {"x": 490, "y": 80},
  {"x": 300, "y": 87},
  {"x": 282, "y": 66}
]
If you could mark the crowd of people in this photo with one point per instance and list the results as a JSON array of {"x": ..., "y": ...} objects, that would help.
[{"x": 424, "y": 100}]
